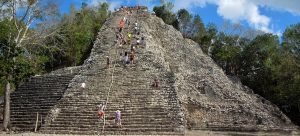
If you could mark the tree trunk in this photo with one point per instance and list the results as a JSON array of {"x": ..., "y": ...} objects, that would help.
[{"x": 7, "y": 107}]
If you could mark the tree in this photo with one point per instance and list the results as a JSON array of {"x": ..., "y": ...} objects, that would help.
[
  {"x": 211, "y": 30},
  {"x": 256, "y": 62},
  {"x": 291, "y": 39},
  {"x": 208, "y": 40},
  {"x": 101, "y": 15},
  {"x": 17, "y": 34},
  {"x": 165, "y": 13},
  {"x": 23, "y": 22},
  {"x": 184, "y": 19},
  {"x": 227, "y": 52},
  {"x": 285, "y": 73},
  {"x": 77, "y": 31},
  {"x": 198, "y": 30},
  {"x": 13, "y": 66}
]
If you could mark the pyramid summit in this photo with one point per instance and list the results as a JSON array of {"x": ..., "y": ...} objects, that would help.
[{"x": 169, "y": 86}]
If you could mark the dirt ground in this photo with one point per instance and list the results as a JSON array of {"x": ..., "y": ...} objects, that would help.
[
  {"x": 220, "y": 133},
  {"x": 188, "y": 133}
]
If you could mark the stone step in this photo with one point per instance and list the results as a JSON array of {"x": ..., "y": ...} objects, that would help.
[
  {"x": 112, "y": 125},
  {"x": 132, "y": 107},
  {"x": 39, "y": 93},
  {"x": 88, "y": 111},
  {"x": 85, "y": 95},
  {"x": 94, "y": 118},
  {"x": 117, "y": 101},
  {"x": 125, "y": 102},
  {"x": 55, "y": 79},
  {"x": 129, "y": 104},
  {"x": 116, "y": 131},
  {"x": 108, "y": 111},
  {"x": 112, "y": 102},
  {"x": 67, "y": 114},
  {"x": 129, "y": 111},
  {"x": 136, "y": 87},
  {"x": 44, "y": 83},
  {"x": 114, "y": 128},
  {"x": 37, "y": 98},
  {"x": 29, "y": 89},
  {"x": 41, "y": 105},
  {"x": 95, "y": 123},
  {"x": 37, "y": 102},
  {"x": 137, "y": 108},
  {"x": 118, "y": 93},
  {"x": 29, "y": 111},
  {"x": 126, "y": 119},
  {"x": 34, "y": 92},
  {"x": 26, "y": 87},
  {"x": 113, "y": 99}
]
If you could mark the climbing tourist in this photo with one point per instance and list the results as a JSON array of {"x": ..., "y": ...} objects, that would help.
[
  {"x": 82, "y": 87},
  {"x": 126, "y": 59},
  {"x": 121, "y": 57},
  {"x": 107, "y": 62},
  {"x": 138, "y": 41},
  {"x": 118, "y": 118},
  {"x": 136, "y": 24},
  {"x": 143, "y": 43},
  {"x": 101, "y": 108},
  {"x": 132, "y": 47},
  {"x": 128, "y": 22},
  {"x": 136, "y": 30},
  {"x": 124, "y": 42},
  {"x": 121, "y": 26},
  {"x": 129, "y": 35},
  {"x": 131, "y": 57},
  {"x": 155, "y": 83},
  {"x": 120, "y": 44}
]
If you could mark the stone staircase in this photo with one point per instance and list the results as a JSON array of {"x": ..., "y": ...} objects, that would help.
[
  {"x": 144, "y": 109},
  {"x": 38, "y": 95}
]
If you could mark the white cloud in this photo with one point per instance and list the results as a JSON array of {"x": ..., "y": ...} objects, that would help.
[
  {"x": 292, "y": 6},
  {"x": 237, "y": 10},
  {"x": 179, "y": 4},
  {"x": 96, "y": 2},
  {"x": 245, "y": 10},
  {"x": 112, "y": 4}
]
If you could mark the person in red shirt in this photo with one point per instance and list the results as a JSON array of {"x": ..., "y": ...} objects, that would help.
[
  {"x": 101, "y": 113},
  {"x": 121, "y": 25}
]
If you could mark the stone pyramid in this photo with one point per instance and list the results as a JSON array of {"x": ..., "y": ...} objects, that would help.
[{"x": 194, "y": 93}]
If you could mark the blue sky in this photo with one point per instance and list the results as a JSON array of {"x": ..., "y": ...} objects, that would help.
[{"x": 271, "y": 16}]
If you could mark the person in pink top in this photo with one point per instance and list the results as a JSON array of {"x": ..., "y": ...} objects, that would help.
[{"x": 118, "y": 118}]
